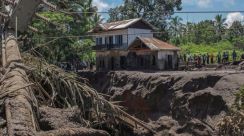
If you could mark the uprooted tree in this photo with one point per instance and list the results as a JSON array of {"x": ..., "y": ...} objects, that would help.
[{"x": 41, "y": 99}]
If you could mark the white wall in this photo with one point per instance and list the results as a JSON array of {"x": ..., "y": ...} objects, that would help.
[
  {"x": 129, "y": 35},
  {"x": 116, "y": 32},
  {"x": 135, "y": 32}
]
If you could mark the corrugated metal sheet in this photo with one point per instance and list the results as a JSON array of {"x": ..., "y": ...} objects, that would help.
[
  {"x": 119, "y": 25},
  {"x": 156, "y": 44}
]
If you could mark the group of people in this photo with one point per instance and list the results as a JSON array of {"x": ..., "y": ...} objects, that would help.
[
  {"x": 205, "y": 59},
  {"x": 76, "y": 66}
]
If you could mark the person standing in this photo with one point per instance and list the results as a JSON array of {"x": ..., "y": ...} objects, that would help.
[
  {"x": 208, "y": 58},
  {"x": 184, "y": 57},
  {"x": 204, "y": 59},
  {"x": 199, "y": 61},
  {"x": 227, "y": 56},
  {"x": 224, "y": 58},
  {"x": 234, "y": 56},
  {"x": 212, "y": 58}
]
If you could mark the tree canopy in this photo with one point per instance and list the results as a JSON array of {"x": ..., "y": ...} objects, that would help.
[
  {"x": 55, "y": 41},
  {"x": 155, "y": 12}
]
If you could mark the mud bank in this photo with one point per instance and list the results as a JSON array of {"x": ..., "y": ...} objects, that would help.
[{"x": 186, "y": 103}]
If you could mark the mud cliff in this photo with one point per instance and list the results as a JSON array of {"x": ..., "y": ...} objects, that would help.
[{"x": 187, "y": 103}]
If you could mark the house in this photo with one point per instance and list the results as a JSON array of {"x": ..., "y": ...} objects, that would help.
[{"x": 129, "y": 44}]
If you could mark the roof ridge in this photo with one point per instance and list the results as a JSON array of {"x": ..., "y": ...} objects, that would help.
[{"x": 121, "y": 21}]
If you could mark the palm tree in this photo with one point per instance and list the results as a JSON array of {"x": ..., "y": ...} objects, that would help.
[
  {"x": 220, "y": 25},
  {"x": 175, "y": 26},
  {"x": 175, "y": 29}
]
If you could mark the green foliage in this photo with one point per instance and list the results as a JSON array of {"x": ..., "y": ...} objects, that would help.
[
  {"x": 239, "y": 103},
  {"x": 55, "y": 42},
  {"x": 154, "y": 11},
  {"x": 84, "y": 49},
  {"x": 233, "y": 123},
  {"x": 239, "y": 42},
  {"x": 235, "y": 31},
  {"x": 207, "y": 36},
  {"x": 214, "y": 48},
  {"x": 203, "y": 48},
  {"x": 205, "y": 32}
]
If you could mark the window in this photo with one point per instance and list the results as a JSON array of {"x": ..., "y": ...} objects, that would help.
[
  {"x": 99, "y": 41},
  {"x": 111, "y": 40},
  {"x": 142, "y": 61},
  {"x": 106, "y": 40},
  {"x": 119, "y": 39},
  {"x": 153, "y": 60}
]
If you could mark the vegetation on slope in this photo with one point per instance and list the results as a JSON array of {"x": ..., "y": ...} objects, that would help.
[{"x": 233, "y": 123}]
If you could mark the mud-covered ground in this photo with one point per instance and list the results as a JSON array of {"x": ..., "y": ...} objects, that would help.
[{"x": 186, "y": 103}]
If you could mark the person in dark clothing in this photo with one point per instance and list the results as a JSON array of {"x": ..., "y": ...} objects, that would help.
[
  {"x": 208, "y": 58},
  {"x": 184, "y": 57},
  {"x": 212, "y": 58},
  {"x": 227, "y": 56},
  {"x": 234, "y": 56},
  {"x": 204, "y": 59},
  {"x": 199, "y": 61},
  {"x": 224, "y": 60}
]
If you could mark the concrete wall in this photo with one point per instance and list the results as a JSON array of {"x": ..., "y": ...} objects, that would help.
[
  {"x": 139, "y": 60},
  {"x": 163, "y": 60},
  {"x": 111, "y": 59},
  {"x": 144, "y": 60}
]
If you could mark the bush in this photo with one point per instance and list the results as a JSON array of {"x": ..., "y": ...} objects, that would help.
[
  {"x": 239, "y": 103},
  {"x": 233, "y": 123},
  {"x": 239, "y": 43}
]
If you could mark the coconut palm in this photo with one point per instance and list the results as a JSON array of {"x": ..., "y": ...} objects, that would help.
[
  {"x": 175, "y": 29},
  {"x": 175, "y": 26},
  {"x": 220, "y": 25}
]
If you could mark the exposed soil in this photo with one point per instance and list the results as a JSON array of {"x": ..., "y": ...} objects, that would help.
[
  {"x": 186, "y": 103},
  {"x": 65, "y": 122}
]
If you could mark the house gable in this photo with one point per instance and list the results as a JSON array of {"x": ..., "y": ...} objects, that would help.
[
  {"x": 151, "y": 44},
  {"x": 138, "y": 45},
  {"x": 141, "y": 25}
]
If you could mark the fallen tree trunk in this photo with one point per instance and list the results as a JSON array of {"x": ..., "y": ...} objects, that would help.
[
  {"x": 21, "y": 106},
  {"x": 20, "y": 102},
  {"x": 16, "y": 90}
]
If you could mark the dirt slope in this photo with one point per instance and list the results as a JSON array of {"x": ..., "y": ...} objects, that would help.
[{"x": 186, "y": 103}]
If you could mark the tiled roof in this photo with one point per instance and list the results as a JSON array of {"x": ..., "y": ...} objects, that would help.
[
  {"x": 120, "y": 24},
  {"x": 156, "y": 44}
]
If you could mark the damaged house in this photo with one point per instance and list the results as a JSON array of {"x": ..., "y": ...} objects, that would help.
[{"x": 129, "y": 44}]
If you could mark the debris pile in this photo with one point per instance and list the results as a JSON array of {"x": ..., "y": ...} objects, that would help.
[{"x": 42, "y": 99}]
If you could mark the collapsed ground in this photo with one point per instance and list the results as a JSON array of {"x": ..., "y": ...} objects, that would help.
[{"x": 186, "y": 103}]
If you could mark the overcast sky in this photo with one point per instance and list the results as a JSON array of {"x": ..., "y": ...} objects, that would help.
[{"x": 192, "y": 5}]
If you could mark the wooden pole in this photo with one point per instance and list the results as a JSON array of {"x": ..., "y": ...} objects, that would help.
[
  {"x": 3, "y": 52},
  {"x": 16, "y": 27}
]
